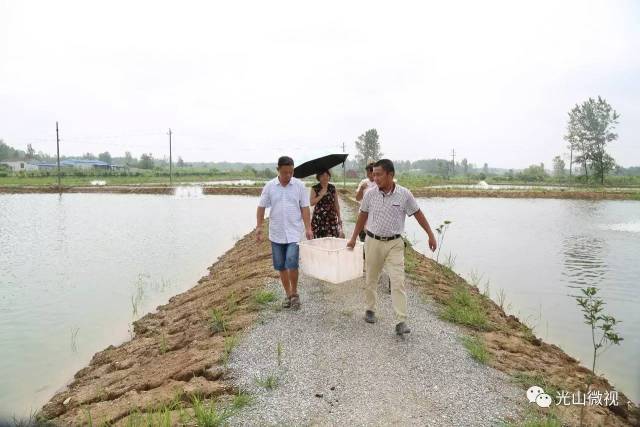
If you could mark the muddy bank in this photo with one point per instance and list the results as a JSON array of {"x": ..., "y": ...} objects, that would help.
[
  {"x": 175, "y": 353},
  {"x": 255, "y": 191},
  {"x": 128, "y": 189},
  {"x": 529, "y": 194}
]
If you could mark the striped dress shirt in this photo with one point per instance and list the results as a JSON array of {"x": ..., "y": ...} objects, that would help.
[{"x": 387, "y": 212}]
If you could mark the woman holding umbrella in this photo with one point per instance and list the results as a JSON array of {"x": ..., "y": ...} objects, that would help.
[{"x": 326, "y": 220}]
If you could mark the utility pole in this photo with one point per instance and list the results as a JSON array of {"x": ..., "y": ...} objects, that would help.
[
  {"x": 170, "y": 167},
  {"x": 344, "y": 171},
  {"x": 58, "y": 155},
  {"x": 453, "y": 162}
]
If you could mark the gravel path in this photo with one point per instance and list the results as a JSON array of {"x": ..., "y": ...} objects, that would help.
[{"x": 336, "y": 369}]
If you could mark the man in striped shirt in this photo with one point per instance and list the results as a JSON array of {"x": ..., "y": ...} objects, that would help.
[
  {"x": 384, "y": 210},
  {"x": 289, "y": 202}
]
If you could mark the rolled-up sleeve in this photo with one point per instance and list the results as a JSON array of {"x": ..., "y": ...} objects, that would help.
[
  {"x": 411, "y": 205},
  {"x": 265, "y": 197}
]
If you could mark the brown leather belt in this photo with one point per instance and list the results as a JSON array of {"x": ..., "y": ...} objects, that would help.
[{"x": 382, "y": 238}]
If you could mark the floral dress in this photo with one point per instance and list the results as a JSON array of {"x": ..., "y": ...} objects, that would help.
[{"x": 325, "y": 218}]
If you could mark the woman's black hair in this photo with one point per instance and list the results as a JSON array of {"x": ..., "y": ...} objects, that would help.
[{"x": 327, "y": 171}]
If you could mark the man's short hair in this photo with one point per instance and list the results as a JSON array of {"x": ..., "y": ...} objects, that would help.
[
  {"x": 369, "y": 167},
  {"x": 385, "y": 164},
  {"x": 285, "y": 161}
]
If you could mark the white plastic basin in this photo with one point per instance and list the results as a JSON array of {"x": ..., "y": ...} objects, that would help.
[{"x": 330, "y": 260}]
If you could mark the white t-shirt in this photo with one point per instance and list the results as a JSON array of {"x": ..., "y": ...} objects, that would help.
[{"x": 368, "y": 185}]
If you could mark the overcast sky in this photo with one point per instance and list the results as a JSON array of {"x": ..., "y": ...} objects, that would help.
[{"x": 249, "y": 81}]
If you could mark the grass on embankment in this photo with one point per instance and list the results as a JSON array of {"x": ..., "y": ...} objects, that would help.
[
  {"x": 504, "y": 343},
  {"x": 476, "y": 348},
  {"x": 133, "y": 178}
]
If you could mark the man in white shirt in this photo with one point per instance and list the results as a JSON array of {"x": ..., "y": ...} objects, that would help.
[
  {"x": 365, "y": 185},
  {"x": 289, "y": 202}
]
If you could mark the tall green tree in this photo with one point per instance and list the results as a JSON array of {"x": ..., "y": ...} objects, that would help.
[
  {"x": 9, "y": 153},
  {"x": 105, "y": 157},
  {"x": 443, "y": 169},
  {"x": 368, "y": 148},
  {"x": 533, "y": 173},
  {"x": 129, "y": 160},
  {"x": 590, "y": 128},
  {"x": 465, "y": 166},
  {"x": 146, "y": 161}
]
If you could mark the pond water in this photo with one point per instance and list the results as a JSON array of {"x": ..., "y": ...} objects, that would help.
[
  {"x": 536, "y": 252},
  {"x": 77, "y": 269}
]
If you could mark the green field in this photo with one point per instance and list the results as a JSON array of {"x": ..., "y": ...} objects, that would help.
[{"x": 189, "y": 175}]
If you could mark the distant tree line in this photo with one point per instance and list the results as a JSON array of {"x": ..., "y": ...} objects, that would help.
[{"x": 590, "y": 127}]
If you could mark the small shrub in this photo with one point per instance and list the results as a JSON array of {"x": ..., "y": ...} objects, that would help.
[
  {"x": 241, "y": 400},
  {"x": 476, "y": 348},
  {"x": 465, "y": 309},
  {"x": 218, "y": 322},
  {"x": 263, "y": 297},
  {"x": 269, "y": 382},
  {"x": 208, "y": 415}
]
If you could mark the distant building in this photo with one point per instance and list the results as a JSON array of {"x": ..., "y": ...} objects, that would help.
[
  {"x": 86, "y": 164},
  {"x": 46, "y": 166},
  {"x": 20, "y": 166}
]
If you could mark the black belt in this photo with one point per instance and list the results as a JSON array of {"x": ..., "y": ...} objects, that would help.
[{"x": 382, "y": 238}]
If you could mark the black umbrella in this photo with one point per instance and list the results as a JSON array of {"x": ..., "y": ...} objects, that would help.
[{"x": 318, "y": 165}]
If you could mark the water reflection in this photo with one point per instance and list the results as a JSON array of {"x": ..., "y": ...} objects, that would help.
[{"x": 584, "y": 261}]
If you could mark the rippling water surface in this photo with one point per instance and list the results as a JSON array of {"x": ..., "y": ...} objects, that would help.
[
  {"x": 76, "y": 269},
  {"x": 538, "y": 252}
]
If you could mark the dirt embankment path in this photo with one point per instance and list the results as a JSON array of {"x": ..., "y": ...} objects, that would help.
[{"x": 176, "y": 354}]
